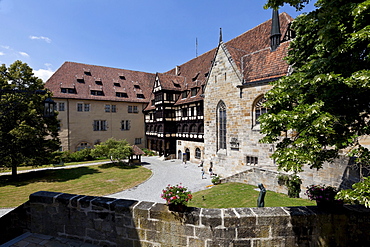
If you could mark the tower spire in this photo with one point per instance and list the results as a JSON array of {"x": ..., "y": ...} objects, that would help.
[
  {"x": 220, "y": 40},
  {"x": 275, "y": 30}
]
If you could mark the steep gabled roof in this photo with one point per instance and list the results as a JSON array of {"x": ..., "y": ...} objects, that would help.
[
  {"x": 84, "y": 78},
  {"x": 250, "y": 53}
]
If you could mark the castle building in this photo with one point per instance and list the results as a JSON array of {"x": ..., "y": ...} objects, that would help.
[
  {"x": 96, "y": 103},
  {"x": 206, "y": 109}
]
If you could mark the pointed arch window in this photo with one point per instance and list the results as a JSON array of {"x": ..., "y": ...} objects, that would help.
[
  {"x": 259, "y": 109},
  {"x": 221, "y": 124}
]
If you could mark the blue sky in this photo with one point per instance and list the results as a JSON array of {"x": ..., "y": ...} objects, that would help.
[{"x": 143, "y": 35}]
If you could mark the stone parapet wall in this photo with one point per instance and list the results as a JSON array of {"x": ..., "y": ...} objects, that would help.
[{"x": 116, "y": 222}]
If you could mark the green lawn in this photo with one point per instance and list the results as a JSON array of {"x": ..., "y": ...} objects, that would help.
[
  {"x": 96, "y": 180},
  {"x": 236, "y": 195}
]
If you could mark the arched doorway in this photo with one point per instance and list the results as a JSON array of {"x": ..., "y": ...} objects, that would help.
[
  {"x": 187, "y": 151},
  {"x": 179, "y": 155}
]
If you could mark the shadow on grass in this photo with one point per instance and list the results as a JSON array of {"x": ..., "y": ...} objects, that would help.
[
  {"x": 120, "y": 165},
  {"x": 60, "y": 175}
]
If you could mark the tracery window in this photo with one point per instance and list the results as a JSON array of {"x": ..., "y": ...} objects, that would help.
[
  {"x": 221, "y": 131},
  {"x": 259, "y": 109}
]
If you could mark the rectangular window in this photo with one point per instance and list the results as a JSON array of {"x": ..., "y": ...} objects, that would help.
[
  {"x": 100, "y": 125},
  {"x": 61, "y": 106},
  {"x": 86, "y": 107},
  {"x": 184, "y": 94},
  {"x": 121, "y": 95},
  {"x": 184, "y": 112},
  {"x": 125, "y": 125},
  {"x": 97, "y": 93},
  {"x": 107, "y": 108},
  {"x": 68, "y": 90},
  {"x": 194, "y": 91},
  {"x": 132, "y": 109},
  {"x": 79, "y": 107},
  {"x": 137, "y": 141},
  {"x": 113, "y": 108}
]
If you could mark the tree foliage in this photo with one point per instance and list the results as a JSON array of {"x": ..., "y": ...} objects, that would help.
[
  {"x": 26, "y": 136},
  {"x": 322, "y": 108},
  {"x": 116, "y": 150}
]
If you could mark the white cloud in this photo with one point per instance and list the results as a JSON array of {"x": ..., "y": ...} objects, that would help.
[
  {"x": 46, "y": 39},
  {"x": 2, "y": 53},
  {"x": 44, "y": 74},
  {"x": 5, "y": 47},
  {"x": 23, "y": 54}
]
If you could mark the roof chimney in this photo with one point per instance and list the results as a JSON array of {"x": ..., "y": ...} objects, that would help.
[{"x": 275, "y": 31}]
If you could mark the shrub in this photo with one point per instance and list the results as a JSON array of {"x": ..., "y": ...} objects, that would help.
[
  {"x": 293, "y": 184},
  {"x": 176, "y": 194}
]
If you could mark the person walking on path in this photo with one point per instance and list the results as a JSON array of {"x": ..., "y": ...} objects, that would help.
[{"x": 203, "y": 174}]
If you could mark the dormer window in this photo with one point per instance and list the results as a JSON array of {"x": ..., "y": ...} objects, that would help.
[
  {"x": 117, "y": 84},
  {"x": 87, "y": 72},
  {"x": 98, "y": 81},
  {"x": 195, "y": 77},
  {"x": 184, "y": 94},
  {"x": 137, "y": 86},
  {"x": 121, "y": 95},
  {"x": 68, "y": 90},
  {"x": 194, "y": 91},
  {"x": 122, "y": 76},
  {"x": 140, "y": 96},
  {"x": 97, "y": 92},
  {"x": 80, "y": 79}
]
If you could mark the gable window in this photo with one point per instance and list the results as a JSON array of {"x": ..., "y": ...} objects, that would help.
[
  {"x": 259, "y": 109},
  {"x": 125, "y": 124},
  {"x": 221, "y": 125},
  {"x": 100, "y": 125}
]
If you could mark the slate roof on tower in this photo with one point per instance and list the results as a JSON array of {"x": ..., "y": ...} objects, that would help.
[{"x": 100, "y": 83}]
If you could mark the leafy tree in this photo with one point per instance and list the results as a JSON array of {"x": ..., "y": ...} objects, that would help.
[
  {"x": 322, "y": 108},
  {"x": 26, "y": 136},
  {"x": 116, "y": 150}
]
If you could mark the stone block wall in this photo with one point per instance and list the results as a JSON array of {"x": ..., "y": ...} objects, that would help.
[{"x": 116, "y": 222}]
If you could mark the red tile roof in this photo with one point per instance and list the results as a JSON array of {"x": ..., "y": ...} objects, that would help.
[
  {"x": 84, "y": 78},
  {"x": 250, "y": 52}
]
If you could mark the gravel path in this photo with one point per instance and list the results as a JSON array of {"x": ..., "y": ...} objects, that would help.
[{"x": 165, "y": 172}]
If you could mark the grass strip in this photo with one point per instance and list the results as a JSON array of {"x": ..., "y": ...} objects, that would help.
[
  {"x": 96, "y": 180},
  {"x": 237, "y": 195}
]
